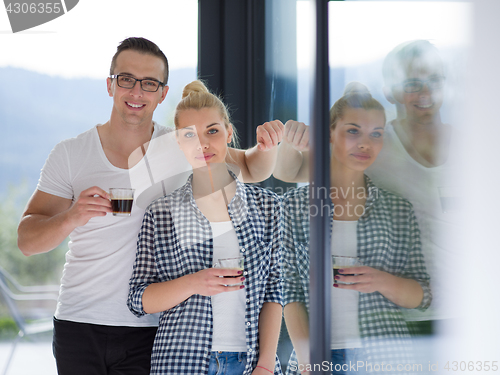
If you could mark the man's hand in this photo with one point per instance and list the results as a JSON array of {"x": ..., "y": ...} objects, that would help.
[
  {"x": 269, "y": 135},
  {"x": 49, "y": 219},
  {"x": 91, "y": 203},
  {"x": 297, "y": 135}
]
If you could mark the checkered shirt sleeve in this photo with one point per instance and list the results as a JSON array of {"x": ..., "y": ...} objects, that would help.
[
  {"x": 176, "y": 240},
  {"x": 295, "y": 247}
]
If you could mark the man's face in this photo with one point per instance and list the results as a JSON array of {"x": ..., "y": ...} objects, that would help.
[
  {"x": 135, "y": 106},
  {"x": 426, "y": 81}
]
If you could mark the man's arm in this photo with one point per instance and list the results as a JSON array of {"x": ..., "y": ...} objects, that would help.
[
  {"x": 49, "y": 219},
  {"x": 292, "y": 163},
  {"x": 257, "y": 163}
]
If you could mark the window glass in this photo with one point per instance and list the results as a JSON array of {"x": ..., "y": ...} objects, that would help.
[
  {"x": 416, "y": 107},
  {"x": 53, "y": 88}
]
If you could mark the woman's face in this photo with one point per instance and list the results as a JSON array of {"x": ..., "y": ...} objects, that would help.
[
  {"x": 203, "y": 136},
  {"x": 358, "y": 138}
]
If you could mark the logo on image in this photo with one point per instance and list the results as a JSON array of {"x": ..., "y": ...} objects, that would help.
[{"x": 25, "y": 14}]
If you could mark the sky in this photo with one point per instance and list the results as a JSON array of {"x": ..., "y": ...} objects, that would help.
[
  {"x": 370, "y": 29},
  {"x": 82, "y": 42}
]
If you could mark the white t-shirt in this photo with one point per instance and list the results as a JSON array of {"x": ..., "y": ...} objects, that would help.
[
  {"x": 228, "y": 309},
  {"x": 345, "y": 326},
  {"x": 94, "y": 284},
  {"x": 435, "y": 196}
]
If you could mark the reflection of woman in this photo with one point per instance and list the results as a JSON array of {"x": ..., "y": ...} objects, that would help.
[
  {"x": 207, "y": 327},
  {"x": 370, "y": 223}
]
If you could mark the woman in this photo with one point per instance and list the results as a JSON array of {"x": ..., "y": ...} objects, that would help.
[
  {"x": 208, "y": 324},
  {"x": 366, "y": 222}
]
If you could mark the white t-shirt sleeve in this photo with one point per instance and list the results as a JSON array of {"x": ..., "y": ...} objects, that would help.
[{"x": 55, "y": 177}]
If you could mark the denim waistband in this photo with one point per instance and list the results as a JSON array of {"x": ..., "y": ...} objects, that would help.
[{"x": 239, "y": 355}]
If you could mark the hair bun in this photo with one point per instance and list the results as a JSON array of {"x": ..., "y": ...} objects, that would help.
[
  {"x": 194, "y": 87},
  {"x": 356, "y": 88}
]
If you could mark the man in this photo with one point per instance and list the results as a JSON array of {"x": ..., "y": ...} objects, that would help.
[
  {"x": 94, "y": 332},
  {"x": 421, "y": 147}
]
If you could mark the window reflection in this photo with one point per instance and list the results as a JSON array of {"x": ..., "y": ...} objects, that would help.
[{"x": 411, "y": 66}]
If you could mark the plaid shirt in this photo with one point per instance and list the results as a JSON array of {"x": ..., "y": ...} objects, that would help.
[
  {"x": 176, "y": 240},
  {"x": 389, "y": 240}
]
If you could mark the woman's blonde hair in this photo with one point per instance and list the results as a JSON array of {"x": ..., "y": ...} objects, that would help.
[
  {"x": 196, "y": 95},
  {"x": 356, "y": 95}
]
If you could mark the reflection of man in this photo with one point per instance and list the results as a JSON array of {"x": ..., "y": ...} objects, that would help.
[
  {"x": 94, "y": 332},
  {"x": 419, "y": 161}
]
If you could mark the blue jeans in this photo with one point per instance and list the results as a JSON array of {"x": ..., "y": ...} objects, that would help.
[
  {"x": 227, "y": 363},
  {"x": 345, "y": 362}
]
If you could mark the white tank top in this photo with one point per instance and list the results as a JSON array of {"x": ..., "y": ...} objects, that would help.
[
  {"x": 228, "y": 308},
  {"x": 345, "y": 327}
]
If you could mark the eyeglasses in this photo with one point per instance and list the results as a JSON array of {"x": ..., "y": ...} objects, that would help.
[
  {"x": 416, "y": 85},
  {"x": 127, "y": 82}
]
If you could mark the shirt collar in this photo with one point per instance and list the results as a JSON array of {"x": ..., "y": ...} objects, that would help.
[
  {"x": 373, "y": 195},
  {"x": 238, "y": 207}
]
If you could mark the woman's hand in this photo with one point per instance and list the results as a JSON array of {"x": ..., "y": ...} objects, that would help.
[
  {"x": 269, "y": 135},
  {"x": 403, "y": 292},
  {"x": 164, "y": 295},
  {"x": 212, "y": 281},
  {"x": 366, "y": 279},
  {"x": 297, "y": 135}
]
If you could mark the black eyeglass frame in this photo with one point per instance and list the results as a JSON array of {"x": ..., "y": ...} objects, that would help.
[
  {"x": 115, "y": 76},
  {"x": 422, "y": 82}
]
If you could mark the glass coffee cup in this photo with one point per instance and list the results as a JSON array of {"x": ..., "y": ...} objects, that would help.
[
  {"x": 121, "y": 201},
  {"x": 237, "y": 263},
  {"x": 343, "y": 262}
]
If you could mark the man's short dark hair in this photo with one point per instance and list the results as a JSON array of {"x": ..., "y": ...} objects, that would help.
[{"x": 141, "y": 45}]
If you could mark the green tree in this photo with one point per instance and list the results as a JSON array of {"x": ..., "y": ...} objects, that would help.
[{"x": 34, "y": 270}]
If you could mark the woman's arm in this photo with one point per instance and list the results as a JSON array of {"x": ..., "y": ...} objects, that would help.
[
  {"x": 162, "y": 296},
  {"x": 269, "y": 332},
  {"x": 147, "y": 295},
  {"x": 297, "y": 324},
  {"x": 403, "y": 292},
  {"x": 411, "y": 288},
  {"x": 257, "y": 163}
]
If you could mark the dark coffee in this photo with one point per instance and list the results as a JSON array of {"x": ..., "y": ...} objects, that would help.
[
  {"x": 121, "y": 206},
  {"x": 336, "y": 272}
]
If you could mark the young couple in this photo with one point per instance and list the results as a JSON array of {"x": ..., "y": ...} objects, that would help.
[{"x": 94, "y": 331}]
